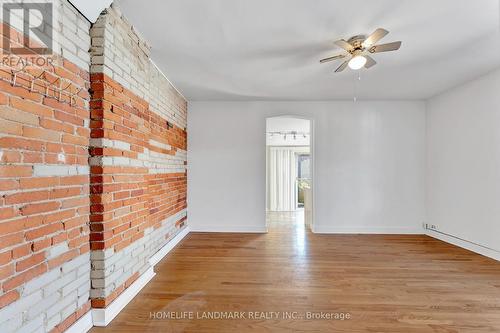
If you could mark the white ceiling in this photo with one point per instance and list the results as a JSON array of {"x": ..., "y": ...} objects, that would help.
[
  {"x": 269, "y": 49},
  {"x": 91, "y": 8}
]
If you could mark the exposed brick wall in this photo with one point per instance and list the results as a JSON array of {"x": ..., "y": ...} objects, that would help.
[
  {"x": 92, "y": 171},
  {"x": 130, "y": 141},
  {"x": 44, "y": 182},
  {"x": 138, "y": 158}
]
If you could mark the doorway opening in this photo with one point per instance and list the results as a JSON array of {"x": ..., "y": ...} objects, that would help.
[{"x": 288, "y": 173}]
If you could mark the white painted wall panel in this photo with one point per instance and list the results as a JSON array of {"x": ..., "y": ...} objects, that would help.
[
  {"x": 369, "y": 164},
  {"x": 463, "y": 168}
]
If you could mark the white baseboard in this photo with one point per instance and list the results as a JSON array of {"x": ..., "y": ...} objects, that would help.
[
  {"x": 82, "y": 325},
  {"x": 230, "y": 228},
  {"x": 155, "y": 258},
  {"x": 102, "y": 317},
  {"x": 322, "y": 229},
  {"x": 487, "y": 252}
]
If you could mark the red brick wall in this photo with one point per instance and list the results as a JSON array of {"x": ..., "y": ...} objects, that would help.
[
  {"x": 84, "y": 179},
  {"x": 126, "y": 199},
  {"x": 44, "y": 181}
]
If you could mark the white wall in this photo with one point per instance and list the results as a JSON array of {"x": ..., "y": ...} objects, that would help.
[
  {"x": 463, "y": 161},
  {"x": 369, "y": 164}
]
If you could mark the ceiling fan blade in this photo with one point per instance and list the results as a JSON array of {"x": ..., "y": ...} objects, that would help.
[
  {"x": 374, "y": 37},
  {"x": 385, "y": 47},
  {"x": 345, "y": 45},
  {"x": 341, "y": 67},
  {"x": 369, "y": 61},
  {"x": 339, "y": 56}
]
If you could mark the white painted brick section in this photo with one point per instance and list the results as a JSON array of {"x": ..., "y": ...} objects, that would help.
[
  {"x": 62, "y": 304},
  {"x": 80, "y": 262},
  {"x": 47, "y": 170},
  {"x": 74, "y": 285},
  {"x": 19, "y": 306},
  {"x": 39, "y": 308},
  {"x": 49, "y": 298},
  {"x": 156, "y": 162},
  {"x": 58, "y": 284},
  {"x": 70, "y": 33},
  {"x": 41, "y": 281},
  {"x": 123, "y": 264},
  {"x": 138, "y": 74},
  {"x": 13, "y": 324},
  {"x": 107, "y": 143},
  {"x": 33, "y": 325},
  {"x": 57, "y": 250}
]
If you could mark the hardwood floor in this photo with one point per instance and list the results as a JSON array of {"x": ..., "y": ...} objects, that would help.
[{"x": 386, "y": 283}]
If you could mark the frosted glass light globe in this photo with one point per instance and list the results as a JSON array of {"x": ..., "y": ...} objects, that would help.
[{"x": 357, "y": 62}]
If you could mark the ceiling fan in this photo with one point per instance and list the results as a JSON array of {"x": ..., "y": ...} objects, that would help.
[{"x": 359, "y": 49}]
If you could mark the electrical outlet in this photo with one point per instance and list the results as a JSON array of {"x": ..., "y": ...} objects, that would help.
[{"x": 430, "y": 226}]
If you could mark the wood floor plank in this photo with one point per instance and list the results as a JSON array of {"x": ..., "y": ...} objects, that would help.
[{"x": 387, "y": 283}]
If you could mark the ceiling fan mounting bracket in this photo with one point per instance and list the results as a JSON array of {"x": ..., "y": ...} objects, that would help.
[{"x": 356, "y": 41}]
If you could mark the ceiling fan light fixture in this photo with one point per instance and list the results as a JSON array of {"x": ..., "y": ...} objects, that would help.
[
  {"x": 358, "y": 50},
  {"x": 357, "y": 62}
]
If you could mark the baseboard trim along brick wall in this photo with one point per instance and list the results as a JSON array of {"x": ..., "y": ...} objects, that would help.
[
  {"x": 102, "y": 317},
  {"x": 93, "y": 160},
  {"x": 82, "y": 325}
]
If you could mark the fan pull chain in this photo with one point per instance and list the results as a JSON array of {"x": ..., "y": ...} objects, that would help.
[{"x": 356, "y": 87}]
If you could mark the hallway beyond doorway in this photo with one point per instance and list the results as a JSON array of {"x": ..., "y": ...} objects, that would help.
[
  {"x": 289, "y": 171},
  {"x": 280, "y": 220}
]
